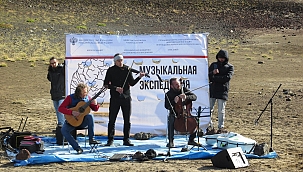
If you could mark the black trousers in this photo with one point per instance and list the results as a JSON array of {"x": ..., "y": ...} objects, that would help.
[
  {"x": 171, "y": 129},
  {"x": 114, "y": 107}
]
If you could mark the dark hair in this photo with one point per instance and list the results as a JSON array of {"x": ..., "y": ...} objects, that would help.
[
  {"x": 52, "y": 58},
  {"x": 79, "y": 88},
  {"x": 117, "y": 54},
  {"x": 171, "y": 80}
]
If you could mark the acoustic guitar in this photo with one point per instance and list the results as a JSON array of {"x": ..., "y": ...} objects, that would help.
[{"x": 83, "y": 108}]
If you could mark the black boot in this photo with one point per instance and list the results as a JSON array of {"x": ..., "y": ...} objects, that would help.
[
  {"x": 170, "y": 132},
  {"x": 127, "y": 142},
  {"x": 191, "y": 140},
  {"x": 126, "y": 132},
  {"x": 94, "y": 142},
  {"x": 170, "y": 143},
  {"x": 110, "y": 134}
]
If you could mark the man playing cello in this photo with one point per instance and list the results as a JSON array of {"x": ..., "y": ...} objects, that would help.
[{"x": 173, "y": 100}]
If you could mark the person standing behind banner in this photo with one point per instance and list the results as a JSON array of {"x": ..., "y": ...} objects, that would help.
[
  {"x": 56, "y": 76},
  {"x": 219, "y": 73},
  {"x": 172, "y": 98},
  {"x": 118, "y": 79},
  {"x": 88, "y": 121}
]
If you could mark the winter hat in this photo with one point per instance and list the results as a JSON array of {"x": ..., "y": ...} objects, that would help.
[{"x": 118, "y": 57}]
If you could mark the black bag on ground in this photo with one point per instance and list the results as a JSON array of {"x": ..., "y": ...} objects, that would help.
[
  {"x": 32, "y": 144},
  {"x": 139, "y": 156},
  {"x": 28, "y": 145},
  {"x": 261, "y": 149},
  {"x": 59, "y": 136},
  {"x": 142, "y": 136},
  {"x": 17, "y": 137},
  {"x": 150, "y": 153}
]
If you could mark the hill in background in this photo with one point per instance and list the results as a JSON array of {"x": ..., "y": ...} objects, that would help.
[{"x": 34, "y": 29}]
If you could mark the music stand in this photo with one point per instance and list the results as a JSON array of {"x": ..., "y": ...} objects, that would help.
[
  {"x": 271, "y": 118},
  {"x": 198, "y": 119}
]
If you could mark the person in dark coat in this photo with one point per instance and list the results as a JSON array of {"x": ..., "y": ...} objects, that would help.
[
  {"x": 219, "y": 74},
  {"x": 56, "y": 76}
]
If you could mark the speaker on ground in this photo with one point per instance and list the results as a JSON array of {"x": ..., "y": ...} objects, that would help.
[{"x": 230, "y": 158}]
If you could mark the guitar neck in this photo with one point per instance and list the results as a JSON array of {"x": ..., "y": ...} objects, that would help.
[{"x": 94, "y": 97}]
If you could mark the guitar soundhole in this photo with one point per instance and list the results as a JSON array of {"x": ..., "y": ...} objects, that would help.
[{"x": 81, "y": 109}]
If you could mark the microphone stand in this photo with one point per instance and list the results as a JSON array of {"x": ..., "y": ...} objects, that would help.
[
  {"x": 198, "y": 112},
  {"x": 271, "y": 118},
  {"x": 168, "y": 152},
  {"x": 198, "y": 88}
]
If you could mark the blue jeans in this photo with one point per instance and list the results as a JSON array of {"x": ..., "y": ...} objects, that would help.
[
  {"x": 66, "y": 129},
  {"x": 221, "y": 111},
  {"x": 60, "y": 116}
]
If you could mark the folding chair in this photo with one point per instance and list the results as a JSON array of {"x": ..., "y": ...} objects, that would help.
[{"x": 75, "y": 136}]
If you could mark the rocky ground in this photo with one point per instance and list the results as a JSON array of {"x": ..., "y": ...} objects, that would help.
[{"x": 263, "y": 37}]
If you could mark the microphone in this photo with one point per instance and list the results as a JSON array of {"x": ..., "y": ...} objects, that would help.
[
  {"x": 159, "y": 78},
  {"x": 215, "y": 68}
]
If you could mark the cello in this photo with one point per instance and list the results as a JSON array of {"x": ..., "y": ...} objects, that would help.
[{"x": 184, "y": 121}]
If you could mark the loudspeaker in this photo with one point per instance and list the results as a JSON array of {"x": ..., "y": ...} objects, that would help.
[{"x": 230, "y": 158}]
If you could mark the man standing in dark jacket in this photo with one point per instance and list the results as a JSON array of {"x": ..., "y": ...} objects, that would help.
[
  {"x": 118, "y": 79},
  {"x": 219, "y": 74},
  {"x": 56, "y": 76}
]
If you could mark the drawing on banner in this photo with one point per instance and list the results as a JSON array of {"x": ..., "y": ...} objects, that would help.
[{"x": 90, "y": 72}]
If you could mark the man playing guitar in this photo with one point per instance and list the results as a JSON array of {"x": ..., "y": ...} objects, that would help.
[{"x": 68, "y": 108}]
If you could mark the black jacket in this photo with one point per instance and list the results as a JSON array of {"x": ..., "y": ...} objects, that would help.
[
  {"x": 171, "y": 94},
  {"x": 219, "y": 86},
  {"x": 57, "y": 78},
  {"x": 115, "y": 77}
]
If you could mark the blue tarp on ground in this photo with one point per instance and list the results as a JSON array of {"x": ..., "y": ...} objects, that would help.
[{"x": 59, "y": 153}]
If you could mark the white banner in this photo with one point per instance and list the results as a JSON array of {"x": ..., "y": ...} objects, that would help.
[{"x": 181, "y": 56}]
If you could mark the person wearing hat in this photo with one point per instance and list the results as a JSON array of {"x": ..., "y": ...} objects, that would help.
[
  {"x": 118, "y": 79},
  {"x": 219, "y": 74}
]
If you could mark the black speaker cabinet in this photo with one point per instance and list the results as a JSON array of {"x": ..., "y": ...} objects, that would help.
[{"x": 230, "y": 158}]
